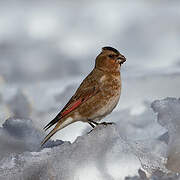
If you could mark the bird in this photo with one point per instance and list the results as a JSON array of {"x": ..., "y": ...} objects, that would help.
[{"x": 97, "y": 95}]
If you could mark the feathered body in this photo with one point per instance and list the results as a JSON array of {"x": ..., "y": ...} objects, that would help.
[
  {"x": 108, "y": 88},
  {"x": 97, "y": 95}
]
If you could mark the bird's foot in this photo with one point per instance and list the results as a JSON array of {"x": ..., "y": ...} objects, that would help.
[
  {"x": 107, "y": 123},
  {"x": 93, "y": 123}
]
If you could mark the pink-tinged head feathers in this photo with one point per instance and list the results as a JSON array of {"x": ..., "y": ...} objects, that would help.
[{"x": 109, "y": 59}]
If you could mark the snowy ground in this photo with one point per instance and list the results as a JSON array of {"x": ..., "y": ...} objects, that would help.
[
  {"x": 104, "y": 153},
  {"x": 48, "y": 48}
]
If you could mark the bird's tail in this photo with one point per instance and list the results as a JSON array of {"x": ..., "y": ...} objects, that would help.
[{"x": 60, "y": 125}]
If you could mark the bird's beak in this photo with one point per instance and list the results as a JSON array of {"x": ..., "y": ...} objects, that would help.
[{"x": 121, "y": 59}]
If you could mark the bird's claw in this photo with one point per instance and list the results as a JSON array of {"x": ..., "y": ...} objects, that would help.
[
  {"x": 103, "y": 123},
  {"x": 106, "y": 123},
  {"x": 93, "y": 123}
]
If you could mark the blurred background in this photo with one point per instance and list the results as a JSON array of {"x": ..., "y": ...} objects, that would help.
[{"x": 48, "y": 47}]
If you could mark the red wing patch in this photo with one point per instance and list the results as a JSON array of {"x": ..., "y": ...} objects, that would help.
[
  {"x": 73, "y": 106},
  {"x": 77, "y": 103}
]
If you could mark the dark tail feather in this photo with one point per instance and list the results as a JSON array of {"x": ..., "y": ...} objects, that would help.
[
  {"x": 54, "y": 121},
  {"x": 50, "y": 135},
  {"x": 60, "y": 125}
]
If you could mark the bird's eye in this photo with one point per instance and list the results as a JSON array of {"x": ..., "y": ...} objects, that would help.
[{"x": 111, "y": 56}]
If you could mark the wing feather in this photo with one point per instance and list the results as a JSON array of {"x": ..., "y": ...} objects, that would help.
[{"x": 73, "y": 103}]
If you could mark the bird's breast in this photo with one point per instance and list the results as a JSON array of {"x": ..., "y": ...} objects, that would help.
[
  {"x": 107, "y": 106},
  {"x": 105, "y": 101},
  {"x": 111, "y": 91}
]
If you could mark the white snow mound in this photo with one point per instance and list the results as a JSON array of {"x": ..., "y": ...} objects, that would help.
[
  {"x": 169, "y": 116},
  {"x": 100, "y": 154}
]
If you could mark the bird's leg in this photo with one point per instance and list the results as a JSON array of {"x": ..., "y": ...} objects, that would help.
[
  {"x": 94, "y": 122},
  {"x": 91, "y": 124}
]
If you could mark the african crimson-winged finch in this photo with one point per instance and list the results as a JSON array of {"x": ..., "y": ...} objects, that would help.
[{"x": 97, "y": 95}]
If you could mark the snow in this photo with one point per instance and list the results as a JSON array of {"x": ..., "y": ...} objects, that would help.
[
  {"x": 88, "y": 156},
  {"x": 169, "y": 117},
  {"x": 102, "y": 153},
  {"x": 20, "y": 135}
]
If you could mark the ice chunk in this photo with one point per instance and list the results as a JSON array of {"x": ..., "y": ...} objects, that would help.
[
  {"x": 168, "y": 111},
  {"x": 152, "y": 154},
  {"x": 154, "y": 176},
  {"x": 100, "y": 154},
  {"x": 92, "y": 156},
  {"x": 103, "y": 153},
  {"x": 137, "y": 126}
]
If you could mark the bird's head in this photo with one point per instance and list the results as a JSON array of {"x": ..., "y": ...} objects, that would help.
[{"x": 109, "y": 60}]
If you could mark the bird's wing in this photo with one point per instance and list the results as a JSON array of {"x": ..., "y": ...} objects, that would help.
[{"x": 79, "y": 98}]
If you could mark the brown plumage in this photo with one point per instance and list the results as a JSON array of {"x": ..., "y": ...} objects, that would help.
[{"x": 97, "y": 95}]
